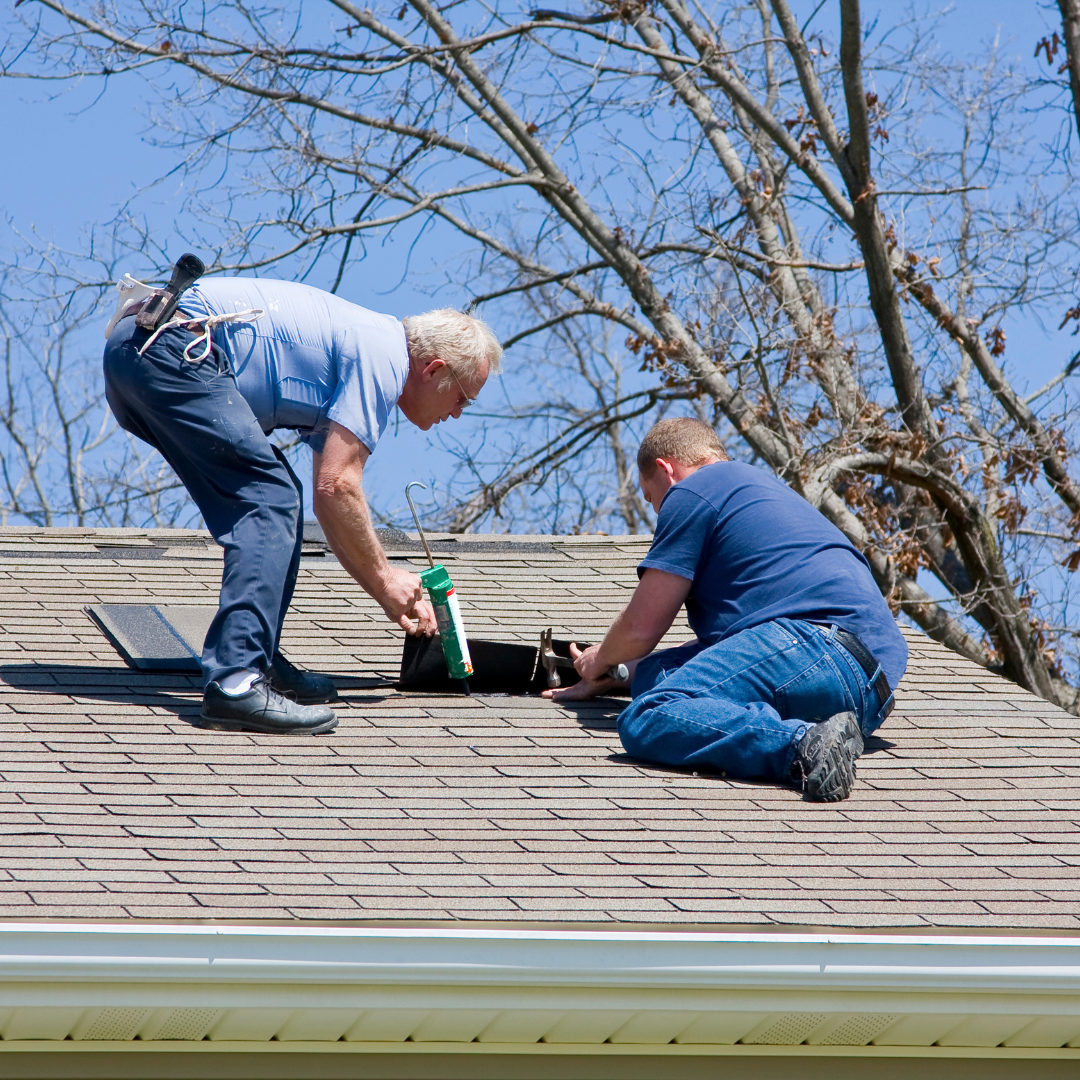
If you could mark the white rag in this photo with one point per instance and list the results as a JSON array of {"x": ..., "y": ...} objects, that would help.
[{"x": 133, "y": 293}]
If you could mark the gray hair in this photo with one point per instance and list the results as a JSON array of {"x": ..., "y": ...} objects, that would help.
[{"x": 463, "y": 341}]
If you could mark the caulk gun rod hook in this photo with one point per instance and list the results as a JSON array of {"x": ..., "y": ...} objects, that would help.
[{"x": 416, "y": 518}]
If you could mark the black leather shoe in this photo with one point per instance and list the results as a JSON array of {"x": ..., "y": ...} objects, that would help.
[
  {"x": 824, "y": 765},
  {"x": 303, "y": 686},
  {"x": 263, "y": 709}
]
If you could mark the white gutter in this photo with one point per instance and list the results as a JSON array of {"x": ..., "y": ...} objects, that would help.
[
  {"x": 264, "y": 987},
  {"x": 42, "y": 952}
]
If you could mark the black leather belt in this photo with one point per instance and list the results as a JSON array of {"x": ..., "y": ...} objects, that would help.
[{"x": 853, "y": 644}]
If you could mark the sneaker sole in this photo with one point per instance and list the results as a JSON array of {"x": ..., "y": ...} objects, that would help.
[
  {"x": 827, "y": 788},
  {"x": 215, "y": 723},
  {"x": 830, "y": 790}
]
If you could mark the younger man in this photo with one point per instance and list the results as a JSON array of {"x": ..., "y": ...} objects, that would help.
[{"x": 796, "y": 654}]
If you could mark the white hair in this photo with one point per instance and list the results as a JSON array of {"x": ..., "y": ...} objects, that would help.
[{"x": 462, "y": 341}]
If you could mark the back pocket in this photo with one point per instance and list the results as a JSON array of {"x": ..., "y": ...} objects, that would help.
[{"x": 815, "y": 695}]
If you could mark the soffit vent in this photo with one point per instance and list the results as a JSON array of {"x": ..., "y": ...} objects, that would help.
[
  {"x": 118, "y": 1025},
  {"x": 859, "y": 1029},
  {"x": 187, "y": 1024},
  {"x": 789, "y": 1030}
]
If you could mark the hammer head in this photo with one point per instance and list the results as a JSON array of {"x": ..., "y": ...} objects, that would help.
[{"x": 548, "y": 659}]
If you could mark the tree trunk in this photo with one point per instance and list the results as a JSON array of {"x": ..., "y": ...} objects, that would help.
[{"x": 1070, "y": 22}]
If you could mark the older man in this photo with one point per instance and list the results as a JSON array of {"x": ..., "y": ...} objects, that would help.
[
  {"x": 277, "y": 354},
  {"x": 796, "y": 653}
]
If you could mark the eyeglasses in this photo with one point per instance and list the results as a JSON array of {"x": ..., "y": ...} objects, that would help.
[{"x": 468, "y": 400}]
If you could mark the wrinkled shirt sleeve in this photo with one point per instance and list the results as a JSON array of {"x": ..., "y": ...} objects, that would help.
[{"x": 683, "y": 529}]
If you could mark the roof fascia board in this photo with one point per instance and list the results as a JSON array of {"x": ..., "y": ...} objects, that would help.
[{"x": 549, "y": 1050}]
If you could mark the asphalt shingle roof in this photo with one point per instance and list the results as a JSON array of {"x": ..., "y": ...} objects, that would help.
[{"x": 500, "y": 809}]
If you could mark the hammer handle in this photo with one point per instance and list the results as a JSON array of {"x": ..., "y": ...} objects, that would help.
[{"x": 620, "y": 672}]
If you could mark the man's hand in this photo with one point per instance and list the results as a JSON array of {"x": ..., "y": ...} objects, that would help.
[
  {"x": 590, "y": 686},
  {"x": 402, "y": 598},
  {"x": 588, "y": 663},
  {"x": 636, "y": 631}
]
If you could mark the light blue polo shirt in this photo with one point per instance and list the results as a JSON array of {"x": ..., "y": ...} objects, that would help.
[{"x": 310, "y": 359}]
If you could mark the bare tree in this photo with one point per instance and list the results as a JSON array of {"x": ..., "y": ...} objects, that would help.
[
  {"x": 64, "y": 460},
  {"x": 723, "y": 186},
  {"x": 581, "y": 474},
  {"x": 1070, "y": 24}
]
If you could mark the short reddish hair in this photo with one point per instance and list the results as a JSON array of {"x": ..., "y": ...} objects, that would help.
[{"x": 682, "y": 439}]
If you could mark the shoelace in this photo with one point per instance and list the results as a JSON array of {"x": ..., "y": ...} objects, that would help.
[{"x": 271, "y": 697}]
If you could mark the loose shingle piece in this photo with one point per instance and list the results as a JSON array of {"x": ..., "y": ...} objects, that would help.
[{"x": 504, "y": 809}]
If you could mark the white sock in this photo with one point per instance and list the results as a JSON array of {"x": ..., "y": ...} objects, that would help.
[{"x": 238, "y": 682}]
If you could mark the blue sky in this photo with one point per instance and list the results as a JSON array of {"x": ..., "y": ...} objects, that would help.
[{"x": 82, "y": 154}]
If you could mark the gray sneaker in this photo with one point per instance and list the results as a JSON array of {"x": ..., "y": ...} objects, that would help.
[
  {"x": 824, "y": 765},
  {"x": 264, "y": 710}
]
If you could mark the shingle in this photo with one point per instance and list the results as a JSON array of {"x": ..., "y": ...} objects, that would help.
[{"x": 488, "y": 808}]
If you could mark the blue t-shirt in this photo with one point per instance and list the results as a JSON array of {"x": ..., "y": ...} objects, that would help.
[
  {"x": 755, "y": 551},
  {"x": 310, "y": 359}
]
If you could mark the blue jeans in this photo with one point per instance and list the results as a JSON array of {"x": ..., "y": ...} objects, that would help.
[
  {"x": 742, "y": 705},
  {"x": 250, "y": 498}
]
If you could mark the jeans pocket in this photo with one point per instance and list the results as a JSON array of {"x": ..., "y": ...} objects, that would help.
[
  {"x": 780, "y": 633},
  {"x": 816, "y": 694}
]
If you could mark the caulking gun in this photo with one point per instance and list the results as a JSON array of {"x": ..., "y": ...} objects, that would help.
[{"x": 445, "y": 602}]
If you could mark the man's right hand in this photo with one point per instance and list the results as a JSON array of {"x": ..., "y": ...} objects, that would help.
[
  {"x": 587, "y": 688},
  {"x": 402, "y": 598}
]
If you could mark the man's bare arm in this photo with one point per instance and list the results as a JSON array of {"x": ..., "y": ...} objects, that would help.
[
  {"x": 342, "y": 511},
  {"x": 638, "y": 628},
  {"x": 636, "y": 631}
]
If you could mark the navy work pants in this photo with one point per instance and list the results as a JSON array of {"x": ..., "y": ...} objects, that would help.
[{"x": 250, "y": 498}]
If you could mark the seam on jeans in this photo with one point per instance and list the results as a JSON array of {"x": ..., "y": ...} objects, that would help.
[
  {"x": 792, "y": 637},
  {"x": 858, "y": 707},
  {"x": 745, "y": 668},
  {"x": 789, "y": 644},
  {"x": 856, "y": 670},
  {"x": 752, "y": 725},
  {"x": 716, "y": 685}
]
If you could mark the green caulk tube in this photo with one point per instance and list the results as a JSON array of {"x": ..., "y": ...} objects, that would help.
[{"x": 447, "y": 609}]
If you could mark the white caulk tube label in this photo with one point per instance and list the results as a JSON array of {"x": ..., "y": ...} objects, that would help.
[
  {"x": 444, "y": 600},
  {"x": 453, "y": 612}
]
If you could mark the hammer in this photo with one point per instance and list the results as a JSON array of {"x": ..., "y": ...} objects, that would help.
[{"x": 551, "y": 661}]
